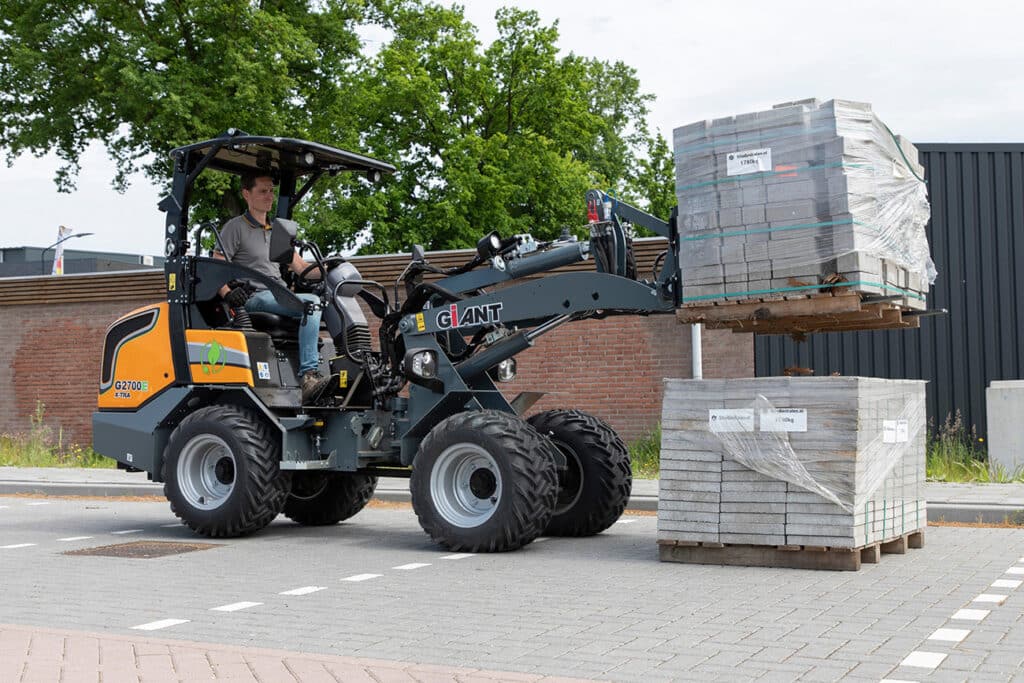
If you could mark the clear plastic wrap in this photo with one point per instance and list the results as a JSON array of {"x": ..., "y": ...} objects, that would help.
[
  {"x": 801, "y": 195},
  {"x": 880, "y": 447}
]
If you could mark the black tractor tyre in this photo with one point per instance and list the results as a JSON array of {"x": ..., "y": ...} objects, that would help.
[
  {"x": 325, "y": 498},
  {"x": 483, "y": 481},
  {"x": 594, "y": 487},
  {"x": 221, "y": 472}
]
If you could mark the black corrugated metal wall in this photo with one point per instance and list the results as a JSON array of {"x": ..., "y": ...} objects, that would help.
[{"x": 977, "y": 241}]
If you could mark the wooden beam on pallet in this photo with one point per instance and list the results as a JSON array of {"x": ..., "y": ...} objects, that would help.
[{"x": 770, "y": 309}]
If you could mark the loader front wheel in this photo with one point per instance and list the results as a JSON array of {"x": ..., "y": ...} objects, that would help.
[
  {"x": 324, "y": 498},
  {"x": 221, "y": 472},
  {"x": 483, "y": 481},
  {"x": 594, "y": 485}
]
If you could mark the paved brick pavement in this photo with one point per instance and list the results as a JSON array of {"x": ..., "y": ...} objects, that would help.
[{"x": 375, "y": 589}]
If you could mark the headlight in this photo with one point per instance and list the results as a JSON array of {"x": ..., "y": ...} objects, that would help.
[
  {"x": 424, "y": 364},
  {"x": 506, "y": 371}
]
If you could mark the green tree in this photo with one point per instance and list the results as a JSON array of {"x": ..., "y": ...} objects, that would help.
[{"x": 503, "y": 137}]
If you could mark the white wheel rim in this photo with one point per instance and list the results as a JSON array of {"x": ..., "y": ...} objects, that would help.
[
  {"x": 465, "y": 485},
  {"x": 206, "y": 472}
]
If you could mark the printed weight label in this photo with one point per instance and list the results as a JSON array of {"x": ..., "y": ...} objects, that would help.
[
  {"x": 748, "y": 161},
  {"x": 784, "y": 420}
]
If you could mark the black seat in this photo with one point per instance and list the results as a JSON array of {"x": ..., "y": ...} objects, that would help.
[{"x": 279, "y": 327}]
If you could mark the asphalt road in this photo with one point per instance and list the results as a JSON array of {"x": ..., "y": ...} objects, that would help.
[{"x": 600, "y": 608}]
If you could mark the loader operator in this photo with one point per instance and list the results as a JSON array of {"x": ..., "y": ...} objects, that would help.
[{"x": 245, "y": 240}]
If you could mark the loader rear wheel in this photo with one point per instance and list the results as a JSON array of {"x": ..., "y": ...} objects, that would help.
[
  {"x": 483, "y": 481},
  {"x": 595, "y": 484},
  {"x": 324, "y": 498},
  {"x": 221, "y": 472}
]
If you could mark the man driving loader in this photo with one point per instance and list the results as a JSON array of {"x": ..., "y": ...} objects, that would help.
[{"x": 245, "y": 240}]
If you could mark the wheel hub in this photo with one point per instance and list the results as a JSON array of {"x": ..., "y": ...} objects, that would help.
[
  {"x": 465, "y": 485},
  {"x": 206, "y": 471}
]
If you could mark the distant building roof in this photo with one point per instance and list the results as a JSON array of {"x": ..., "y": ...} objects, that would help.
[{"x": 20, "y": 261}]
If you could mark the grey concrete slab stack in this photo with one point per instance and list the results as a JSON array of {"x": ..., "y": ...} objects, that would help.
[
  {"x": 836, "y": 462},
  {"x": 778, "y": 202}
]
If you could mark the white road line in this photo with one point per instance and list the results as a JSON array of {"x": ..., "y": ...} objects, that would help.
[
  {"x": 950, "y": 635},
  {"x": 170, "y": 526},
  {"x": 156, "y": 625},
  {"x": 541, "y": 539},
  {"x": 413, "y": 565},
  {"x": 991, "y": 597},
  {"x": 625, "y": 521},
  {"x": 1015, "y": 570},
  {"x": 16, "y": 545},
  {"x": 235, "y": 606},
  {"x": 923, "y": 660},
  {"x": 34, "y": 504},
  {"x": 362, "y": 577},
  {"x": 457, "y": 556},
  {"x": 74, "y": 538},
  {"x": 4, "y": 507},
  {"x": 971, "y": 614},
  {"x": 305, "y": 590},
  {"x": 126, "y": 531},
  {"x": 1006, "y": 583}
]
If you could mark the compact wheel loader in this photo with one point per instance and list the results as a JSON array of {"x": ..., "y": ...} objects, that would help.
[{"x": 207, "y": 400}]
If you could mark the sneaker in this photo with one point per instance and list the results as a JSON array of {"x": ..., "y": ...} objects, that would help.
[{"x": 313, "y": 384}]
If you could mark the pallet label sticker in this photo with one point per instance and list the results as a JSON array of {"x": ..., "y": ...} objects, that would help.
[
  {"x": 895, "y": 431},
  {"x": 731, "y": 419},
  {"x": 748, "y": 161},
  {"x": 784, "y": 420}
]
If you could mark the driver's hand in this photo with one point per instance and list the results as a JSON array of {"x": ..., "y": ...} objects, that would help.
[{"x": 237, "y": 297}]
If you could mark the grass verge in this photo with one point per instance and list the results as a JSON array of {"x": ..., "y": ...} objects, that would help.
[
  {"x": 645, "y": 454},
  {"x": 40, "y": 447}
]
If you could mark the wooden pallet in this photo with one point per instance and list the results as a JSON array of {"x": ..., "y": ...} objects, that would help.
[
  {"x": 818, "y": 312},
  {"x": 787, "y": 556}
]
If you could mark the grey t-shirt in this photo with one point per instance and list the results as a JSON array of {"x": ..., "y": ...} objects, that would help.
[{"x": 248, "y": 246}]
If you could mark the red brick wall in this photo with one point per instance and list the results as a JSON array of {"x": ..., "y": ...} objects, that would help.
[
  {"x": 612, "y": 368},
  {"x": 53, "y": 357}
]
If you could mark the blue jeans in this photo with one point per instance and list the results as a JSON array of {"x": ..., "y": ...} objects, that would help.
[{"x": 264, "y": 302}]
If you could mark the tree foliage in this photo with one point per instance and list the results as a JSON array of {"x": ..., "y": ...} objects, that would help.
[{"x": 506, "y": 136}]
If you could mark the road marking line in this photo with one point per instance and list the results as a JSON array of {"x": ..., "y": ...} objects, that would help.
[
  {"x": 541, "y": 539},
  {"x": 170, "y": 526},
  {"x": 625, "y": 521},
  {"x": 971, "y": 614},
  {"x": 1015, "y": 570},
  {"x": 305, "y": 590},
  {"x": 457, "y": 556},
  {"x": 156, "y": 625},
  {"x": 923, "y": 660},
  {"x": 991, "y": 597},
  {"x": 34, "y": 504},
  {"x": 126, "y": 531},
  {"x": 74, "y": 538},
  {"x": 16, "y": 545},
  {"x": 951, "y": 635},
  {"x": 412, "y": 565},
  {"x": 4, "y": 507},
  {"x": 362, "y": 577},
  {"x": 1006, "y": 583},
  {"x": 235, "y": 606}
]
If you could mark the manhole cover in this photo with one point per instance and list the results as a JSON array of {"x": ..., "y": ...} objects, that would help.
[{"x": 143, "y": 549}]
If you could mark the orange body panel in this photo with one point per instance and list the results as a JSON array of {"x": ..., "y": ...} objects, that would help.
[
  {"x": 142, "y": 366},
  {"x": 218, "y": 357}
]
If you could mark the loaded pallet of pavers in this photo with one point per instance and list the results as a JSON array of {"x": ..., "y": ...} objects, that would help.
[
  {"x": 803, "y": 201},
  {"x": 812, "y": 472}
]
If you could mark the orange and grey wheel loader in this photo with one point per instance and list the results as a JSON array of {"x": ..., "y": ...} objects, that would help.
[{"x": 206, "y": 399}]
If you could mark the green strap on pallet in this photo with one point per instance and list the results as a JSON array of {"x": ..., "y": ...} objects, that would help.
[{"x": 781, "y": 290}]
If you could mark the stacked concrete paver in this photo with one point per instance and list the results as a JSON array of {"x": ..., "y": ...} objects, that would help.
[
  {"x": 778, "y": 202},
  {"x": 808, "y": 461}
]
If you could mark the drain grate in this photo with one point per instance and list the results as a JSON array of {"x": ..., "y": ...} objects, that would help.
[{"x": 143, "y": 549}]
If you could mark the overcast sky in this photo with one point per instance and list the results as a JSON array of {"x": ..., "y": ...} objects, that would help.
[{"x": 938, "y": 71}]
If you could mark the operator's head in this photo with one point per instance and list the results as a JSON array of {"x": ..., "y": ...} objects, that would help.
[{"x": 258, "y": 192}]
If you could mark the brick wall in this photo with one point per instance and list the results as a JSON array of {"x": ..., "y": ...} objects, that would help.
[{"x": 52, "y": 331}]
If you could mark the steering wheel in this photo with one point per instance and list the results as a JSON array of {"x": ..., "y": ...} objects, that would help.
[{"x": 303, "y": 280}]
